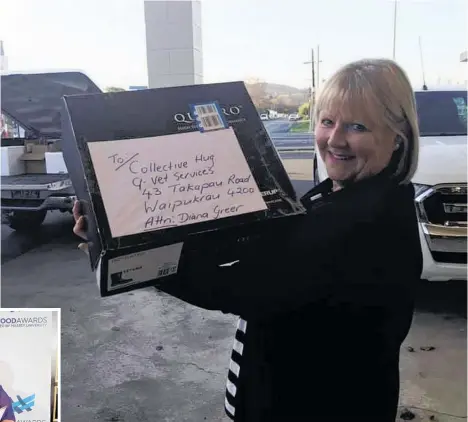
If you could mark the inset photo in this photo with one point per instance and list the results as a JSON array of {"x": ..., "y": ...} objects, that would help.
[{"x": 29, "y": 365}]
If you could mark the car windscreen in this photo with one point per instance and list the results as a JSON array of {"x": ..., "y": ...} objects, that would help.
[{"x": 442, "y": 113}]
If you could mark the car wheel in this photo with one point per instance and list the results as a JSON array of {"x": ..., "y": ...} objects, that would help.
[{"x": 26, "y": 221}]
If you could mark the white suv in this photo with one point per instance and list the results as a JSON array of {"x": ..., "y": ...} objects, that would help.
[{"x": 440, "y": 183}]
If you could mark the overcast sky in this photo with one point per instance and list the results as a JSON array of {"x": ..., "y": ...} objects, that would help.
[{"x": 241, "y": 38}]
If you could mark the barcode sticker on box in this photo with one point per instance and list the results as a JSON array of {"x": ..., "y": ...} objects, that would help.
[
  {"x": 167, "y": 270},
  {"x": 209, "y": 116},
  {"x": 141, "y": 267}
]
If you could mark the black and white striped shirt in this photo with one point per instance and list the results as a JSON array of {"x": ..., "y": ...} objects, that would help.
[{"x": 234, "y": 368}]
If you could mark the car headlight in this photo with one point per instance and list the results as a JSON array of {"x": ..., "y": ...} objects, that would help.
[{"x": 419, "y": 189}]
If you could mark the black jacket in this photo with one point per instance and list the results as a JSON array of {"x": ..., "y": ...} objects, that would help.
[{"x": 328, "y": 299}]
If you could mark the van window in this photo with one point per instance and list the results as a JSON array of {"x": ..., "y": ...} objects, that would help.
[
  {"x": 10, "y": 128},
  {"x": 442, "y": 113}
]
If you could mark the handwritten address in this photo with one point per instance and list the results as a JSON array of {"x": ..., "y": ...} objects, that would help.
[{"x": 206, "y": 180}]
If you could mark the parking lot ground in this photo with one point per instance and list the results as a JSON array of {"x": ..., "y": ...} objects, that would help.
[
  {"x": 149, "y": 357},
  {"x": 434, "y": 381},
  {"x": 139, "y": 356}
]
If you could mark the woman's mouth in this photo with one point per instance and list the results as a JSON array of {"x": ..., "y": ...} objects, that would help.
[{"x": 341, "y": 157}]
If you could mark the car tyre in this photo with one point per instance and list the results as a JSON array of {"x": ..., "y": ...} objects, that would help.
[{"x": 26, "y": 221}]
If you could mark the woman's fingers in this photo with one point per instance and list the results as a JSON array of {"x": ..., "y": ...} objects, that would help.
[
  {"x": 76, "y": 210},
  {"x": 80, "y": 227}
]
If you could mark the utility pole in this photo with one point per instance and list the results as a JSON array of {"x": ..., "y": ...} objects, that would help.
[
  {"x": 3, "y": 59},
  {"x": 394, "y": 27},
  {"x": 318, "y": 66},
  {"x": 312, "y": 91},
  {"x": 422, "y": 65}
]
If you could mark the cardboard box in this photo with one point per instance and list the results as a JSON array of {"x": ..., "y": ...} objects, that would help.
[
  {"x": 34, "y": 158},
  {"x": 12, "y": 165},
  {"x": 54, "y": 146},
  {"x": 55, "y": 163},
  {"x": 158, "y": 169}
]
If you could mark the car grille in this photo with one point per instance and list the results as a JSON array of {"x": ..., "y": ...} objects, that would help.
[
  {"x": 451, "y": 257},
  {"x": 447, "y": 205}
]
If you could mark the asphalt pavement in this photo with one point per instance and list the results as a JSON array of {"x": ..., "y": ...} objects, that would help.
[
  {"x": 145, "y": 356},
  {"x": 16, "y": 244}
]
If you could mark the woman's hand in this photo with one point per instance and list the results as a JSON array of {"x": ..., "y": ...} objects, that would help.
[{"x": 80, "y": 225}]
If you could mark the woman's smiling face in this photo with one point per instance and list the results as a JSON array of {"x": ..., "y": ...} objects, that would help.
[{"x": 352, "y": 148}]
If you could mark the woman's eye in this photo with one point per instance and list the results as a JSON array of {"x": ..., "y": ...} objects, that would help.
[
  {"x": 358, "y": 127},
  {"x": 326, "y": 122}
]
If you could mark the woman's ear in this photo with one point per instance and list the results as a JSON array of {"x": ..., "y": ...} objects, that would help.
[{"x": 398, "y": 142}]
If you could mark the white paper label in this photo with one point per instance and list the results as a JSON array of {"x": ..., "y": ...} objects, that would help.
[
  {"x": 154, "y": 183},
  {"x": 140, "y": 267}
]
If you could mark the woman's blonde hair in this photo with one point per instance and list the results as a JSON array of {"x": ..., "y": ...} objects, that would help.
[{"x": 377, "y": 89}]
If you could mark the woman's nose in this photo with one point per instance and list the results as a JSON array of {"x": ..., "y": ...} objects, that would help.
[{"x": 337, "y": 137}]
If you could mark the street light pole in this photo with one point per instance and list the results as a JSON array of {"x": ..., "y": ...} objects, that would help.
[
  {"x": 312, "y": 91},
  {"x": 394, "y": 27}
]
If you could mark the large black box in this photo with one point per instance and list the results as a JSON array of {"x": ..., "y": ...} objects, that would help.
[{"x": 159, "y": 168}]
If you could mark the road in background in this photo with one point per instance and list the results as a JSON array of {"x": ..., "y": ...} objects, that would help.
[
  {"x": 279, "y": 131},
  {"x": 277, "y": 126}
]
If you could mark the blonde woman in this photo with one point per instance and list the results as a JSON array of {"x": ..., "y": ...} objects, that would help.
[{"x": 325, "y": 300}]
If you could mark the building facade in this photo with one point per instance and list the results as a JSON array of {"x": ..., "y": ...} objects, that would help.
[{"x": 173, "y": 42}]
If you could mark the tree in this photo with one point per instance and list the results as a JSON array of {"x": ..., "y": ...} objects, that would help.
[
  {"x": 287, "y": 104},
  {"x": 257, "y": 91},
  {"x": 114, "y": 89},
  {"x": 304, "y": 109}
]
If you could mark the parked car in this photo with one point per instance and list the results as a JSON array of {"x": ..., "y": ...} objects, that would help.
[
  {"x": 34, "y": 178},
  {"x": 440, "y": 183},
  {"x": 294, "y": 117},
  {"x": 263, "y": 116}
]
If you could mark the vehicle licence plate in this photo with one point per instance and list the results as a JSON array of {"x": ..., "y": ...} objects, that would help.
[
  {"x": 25, "y": 194},
  {"x": 455, "y": 208}
]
